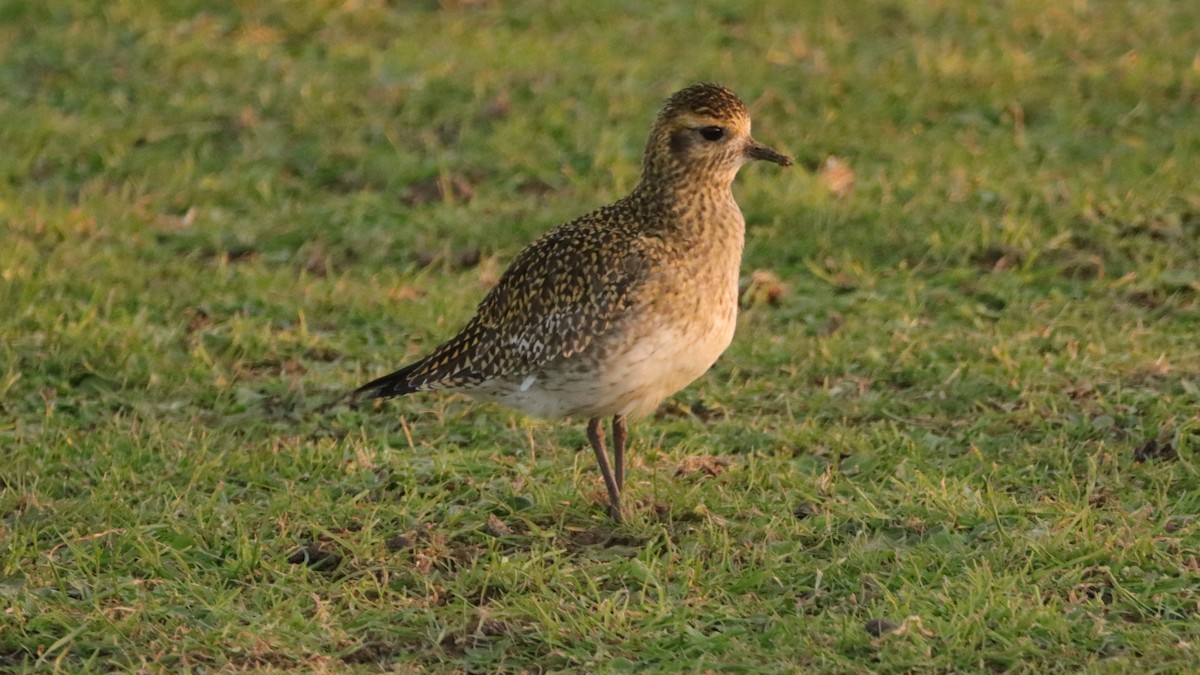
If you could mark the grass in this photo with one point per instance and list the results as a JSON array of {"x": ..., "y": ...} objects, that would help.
[{"x": 964, "y": 438}]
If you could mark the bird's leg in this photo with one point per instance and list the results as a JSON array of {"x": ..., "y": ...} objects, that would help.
[
  {"x": 620, "y": 433},
  {"x": 595, "y": 433}
]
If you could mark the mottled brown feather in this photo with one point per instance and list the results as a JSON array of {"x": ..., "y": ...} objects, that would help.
[{"x": 558, "y": 296}]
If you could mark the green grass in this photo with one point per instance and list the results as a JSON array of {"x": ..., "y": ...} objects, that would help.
[{"x": 972, "y": 412}]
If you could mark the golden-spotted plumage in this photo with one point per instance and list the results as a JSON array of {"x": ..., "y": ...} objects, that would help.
[{"x": 618, "y": 309}]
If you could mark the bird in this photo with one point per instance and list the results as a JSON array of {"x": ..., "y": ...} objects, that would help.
[{"x": 609, "y": 314}]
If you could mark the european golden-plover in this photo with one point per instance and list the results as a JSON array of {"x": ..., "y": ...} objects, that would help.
[{"x": 614, "y": 311}]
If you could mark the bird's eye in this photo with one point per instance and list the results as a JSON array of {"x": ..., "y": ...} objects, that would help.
[{"x": 712, "y": 133}]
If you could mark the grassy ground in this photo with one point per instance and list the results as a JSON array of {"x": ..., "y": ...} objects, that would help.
[{"x": 964, "y": 437}]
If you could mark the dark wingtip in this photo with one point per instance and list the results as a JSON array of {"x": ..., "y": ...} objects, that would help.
[
  {"x": 394, "y": 384},
  {"x": 360, "y": 394}
]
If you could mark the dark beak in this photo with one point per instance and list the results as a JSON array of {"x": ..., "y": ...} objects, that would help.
[{"x": 756, "y": 150}]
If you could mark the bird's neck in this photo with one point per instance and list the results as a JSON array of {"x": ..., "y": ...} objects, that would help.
[
  {"x": 697, "y": 218},
  {"x": 701, "y": 199}
]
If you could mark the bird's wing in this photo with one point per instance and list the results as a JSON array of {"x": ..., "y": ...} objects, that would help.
[{"x": 555, "y": 299}]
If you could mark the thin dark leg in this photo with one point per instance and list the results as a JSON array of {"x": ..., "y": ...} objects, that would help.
[
  {"x": 620, "y": 433},
  {"x": 595, "y": 434}
]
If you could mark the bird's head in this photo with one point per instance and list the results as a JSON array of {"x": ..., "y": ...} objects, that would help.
[{"x": 703, "y": 132}]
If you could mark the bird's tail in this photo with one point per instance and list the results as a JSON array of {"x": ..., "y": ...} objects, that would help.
[{"x": 395, "y": 384}]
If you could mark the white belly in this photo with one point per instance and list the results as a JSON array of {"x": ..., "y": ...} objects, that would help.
[{"x": 632, "y": 382}]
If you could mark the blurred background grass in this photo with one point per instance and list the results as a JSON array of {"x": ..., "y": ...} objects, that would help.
[{"x": 971, "y": 397}]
